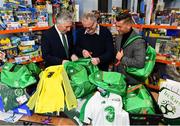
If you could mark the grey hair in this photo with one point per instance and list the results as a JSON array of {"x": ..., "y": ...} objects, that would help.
[
  {"x": 90, "y": 16},
  {"x": 63, "y": 17}
]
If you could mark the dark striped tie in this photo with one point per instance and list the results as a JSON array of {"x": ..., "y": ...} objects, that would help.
[{"x": 65, "y": 44}]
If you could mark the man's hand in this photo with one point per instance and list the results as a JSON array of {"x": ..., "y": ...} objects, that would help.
[
  {"x": 95, "y": 61},
  {"x": 86, "y": 53},
  {"x": 65, "y": 61},
  {"x": 119, "y": 55},
  {"x": 74, "y": 57}
]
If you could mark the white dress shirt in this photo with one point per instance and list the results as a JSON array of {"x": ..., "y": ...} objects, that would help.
[{"x": 60, "y": 35}]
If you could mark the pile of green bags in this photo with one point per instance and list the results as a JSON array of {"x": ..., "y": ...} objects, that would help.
[{"x": 85, "y": 78}]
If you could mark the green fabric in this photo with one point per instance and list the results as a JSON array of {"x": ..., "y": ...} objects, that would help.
[
  {"x": 110, "y": 81},
  {"x": 33, "y": 68},
  {"x": 9, "y": 96},
  {"x": 138, "y": 101},
  {"x": 78, "y": 74},
  {"x": 16, "y": 76},
  {"x": 144, "y": 72},
  {"x": 131, "y": 40},
  {"x": 86, "y": 62}
]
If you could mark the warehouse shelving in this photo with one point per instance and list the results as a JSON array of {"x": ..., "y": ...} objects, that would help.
[
  {"x": 29, "y": 29},
  {"x": 141, "y": 26}
]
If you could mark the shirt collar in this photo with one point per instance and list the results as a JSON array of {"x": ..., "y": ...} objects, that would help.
[
  {"x": 97, "y": 30},
  {"x": 57, "y": 29}
]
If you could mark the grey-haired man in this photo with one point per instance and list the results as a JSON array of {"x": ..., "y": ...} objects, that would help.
[{"x": 57, "y": 42}]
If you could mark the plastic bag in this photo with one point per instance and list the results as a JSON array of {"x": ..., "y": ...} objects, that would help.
[
  {"x": 138, "y": 101},
  {"x": 78, "y": 73},
  {"x": 111, "y": 81},
  {"x": 12, "y": 97},
  {"x": 16, "y": 76},
  {"x": 144, "y": 72}
]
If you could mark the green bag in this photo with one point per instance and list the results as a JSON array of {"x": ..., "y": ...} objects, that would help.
[
  {"x": 138, "y": 101},
  {"x": 86, "y": 62},
  {"x": 35, "y": 70},
  {"x": 78, "y": 74},
  {"x": 110, "y": 81},
  {"x": 12, "y": 97},
  {"x": 142, "y": 73},
  {"x": 16, "y": 76}
]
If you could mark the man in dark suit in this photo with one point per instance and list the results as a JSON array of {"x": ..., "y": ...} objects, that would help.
[{"x": 57, "y": 42}]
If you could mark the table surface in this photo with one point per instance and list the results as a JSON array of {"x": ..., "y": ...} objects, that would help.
[{"x": 35, "y": 118}]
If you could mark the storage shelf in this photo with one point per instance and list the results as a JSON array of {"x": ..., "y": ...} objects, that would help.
[
  {"x": 168, "y": 62},
  {"x": 29, "y": 29},
  {"x": 141, "y": 26},
  {"x": 155, "y": 26},
  {"x": 34, "y": 59},
  {"x": 154, "y": 87},
  {"x": 106, "y": 25}
]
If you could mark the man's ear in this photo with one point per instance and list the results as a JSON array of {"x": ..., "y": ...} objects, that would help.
[{"x": 129, "y": 26}]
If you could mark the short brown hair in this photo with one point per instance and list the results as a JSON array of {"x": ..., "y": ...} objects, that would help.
[{"x": 126, "y": 16}]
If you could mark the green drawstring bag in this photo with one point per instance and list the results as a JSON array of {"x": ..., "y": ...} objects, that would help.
[
  {"x": 11, "y": 98},
  {"x": 32, "y": 67},
  {"x": 78, "y": 72},
  {"x": 110, "y": 81},
  {"x": 142, "y": 73},
  {"x": 86, "y": 62},
  {"x": 35, "y": 70},
  {"x": 16, "y": 76},
  {"x": 138, "y": 101}
]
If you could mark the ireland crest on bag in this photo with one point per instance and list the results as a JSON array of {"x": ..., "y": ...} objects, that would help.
[
  {"x": 169, "y": 103},
  {"x": 169, "y": 100}
]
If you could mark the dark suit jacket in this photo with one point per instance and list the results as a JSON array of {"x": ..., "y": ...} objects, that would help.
[{"x": 53, "y": 51}]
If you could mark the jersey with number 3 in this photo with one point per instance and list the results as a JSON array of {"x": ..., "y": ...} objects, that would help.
[{"x": 103, "y": 111}]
